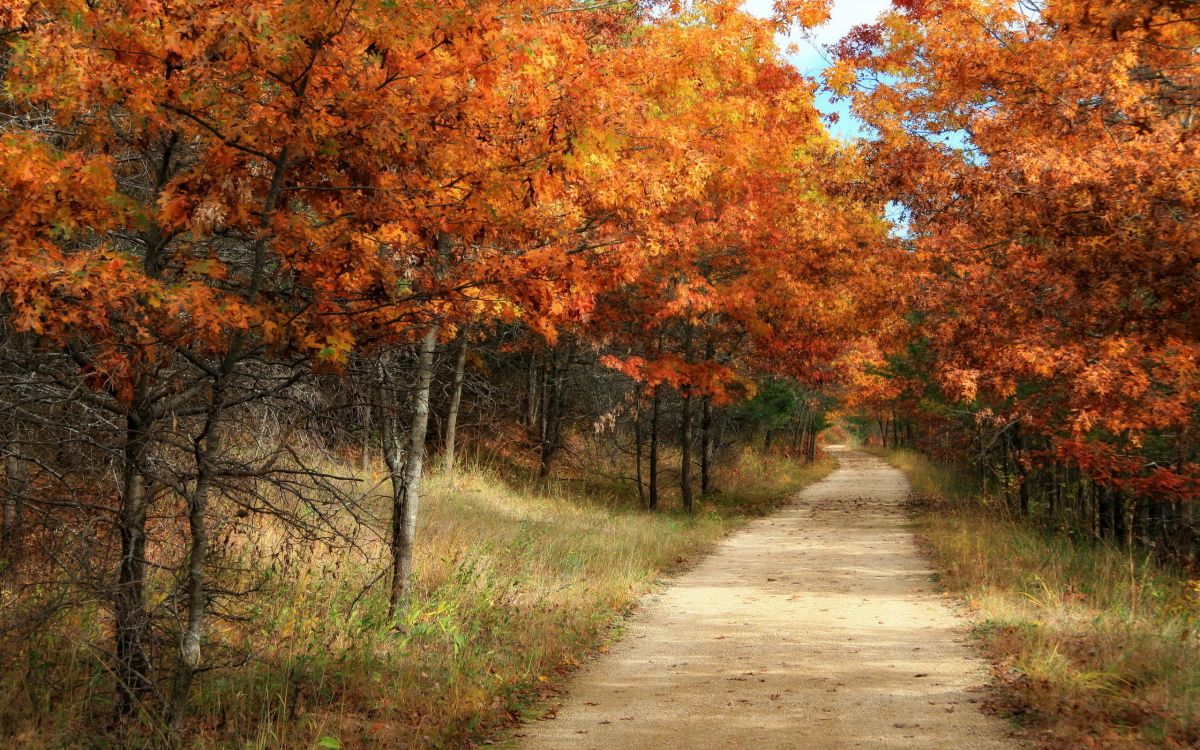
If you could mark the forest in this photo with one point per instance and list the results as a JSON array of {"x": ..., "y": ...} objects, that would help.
[{"x": 362, "y": 362}]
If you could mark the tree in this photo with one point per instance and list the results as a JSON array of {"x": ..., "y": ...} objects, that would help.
[
  {"x": 1043, "y": 160},
  {"x": 217, "y": 187}
]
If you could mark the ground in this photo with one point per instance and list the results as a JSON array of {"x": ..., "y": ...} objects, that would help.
[{"x": 814, "y": 628}]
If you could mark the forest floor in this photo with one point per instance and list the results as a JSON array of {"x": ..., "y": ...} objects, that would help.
[{"x": 816, "y": 627}]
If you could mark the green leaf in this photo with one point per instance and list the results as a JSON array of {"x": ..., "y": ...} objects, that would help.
[{"x": 329, "y": 743}]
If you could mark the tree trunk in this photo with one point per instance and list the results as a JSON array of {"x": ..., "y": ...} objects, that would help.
[
  {"x": 455, "y": 400},
  {"x": 1153, "y": 525},
  {"x": 1104, "y": 514},
  {"x": 655, "y": 413},
  {"x": 1018, "y": 441},
  {"x": 365, "y": 458},
  {"x": 555, "y": 406},
  {"x": 1093, "y": 509},
  {"x": 1054, "y": 496},
  {"x": 706, "y": 447},
  {"x": 15, "y": 482},
  {"x": 637, "y": 447},
  {"x": 1004, "y": 470},
  {"x": 406, "y": 488},
  {"x": 685, "y": 460},
  {"x": 1172, "y": 520},
  {"x": 132, "y": 620},
  {"x": 205, "y": 450},
  {"x": 1137, "y": 532},
  {"x": 685, "y": 429},
  {"x": 1120, "y": 520},
  {"x": 532, "y": 397},
  {"x": 544, "y": 399}
]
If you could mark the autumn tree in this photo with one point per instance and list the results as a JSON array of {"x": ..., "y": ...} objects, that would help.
[
  {"x": 1044, "y": 157},
  {"x": 216, "y": 213},
  {"x": 217, "y": 188},
  {"x": 767, "y": 256}
]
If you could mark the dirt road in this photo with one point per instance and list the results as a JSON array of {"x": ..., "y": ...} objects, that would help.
[{"x": 813, "y": 629}]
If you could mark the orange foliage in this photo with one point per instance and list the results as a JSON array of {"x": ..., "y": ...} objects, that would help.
[{"x": 1048, "y": 162}]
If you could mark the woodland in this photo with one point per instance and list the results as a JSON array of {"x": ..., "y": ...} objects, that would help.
[{"x": 274, "y": 273}]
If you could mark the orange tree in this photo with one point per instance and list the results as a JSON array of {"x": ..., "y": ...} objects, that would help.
[
  {"x": 1046, "y": 157},
  {"x": 205, "y": 201},
  {"x": 193, "y": 190},
  {"x": 764, "y": 256}
]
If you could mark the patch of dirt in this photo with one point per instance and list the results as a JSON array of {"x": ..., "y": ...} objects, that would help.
[{"x": 813, "y": 628}]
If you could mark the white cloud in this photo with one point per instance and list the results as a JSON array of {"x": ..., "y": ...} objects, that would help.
[{"x": 846, "y": 14}]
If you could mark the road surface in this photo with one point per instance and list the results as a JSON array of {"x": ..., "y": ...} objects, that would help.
[{"x": 816, "y": 628}]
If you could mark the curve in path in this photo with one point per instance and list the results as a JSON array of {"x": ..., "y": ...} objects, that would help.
[{"x": 814, "y": 628}]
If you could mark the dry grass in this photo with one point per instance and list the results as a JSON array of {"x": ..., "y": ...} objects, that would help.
[
  {"x": 1094, "y": 647},
  {"x": 517, "y": 583}
]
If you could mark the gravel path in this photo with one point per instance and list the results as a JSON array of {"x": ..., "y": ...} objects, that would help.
[{"x": 814, "y": 628}]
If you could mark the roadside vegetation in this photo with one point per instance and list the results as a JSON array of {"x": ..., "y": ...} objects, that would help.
[
  {"x": 1094, "y": 646},
  {"x": 517, "y": 581},
  {"x": 255, "y": 252}
]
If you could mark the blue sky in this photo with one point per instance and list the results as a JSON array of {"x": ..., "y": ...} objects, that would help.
[{"x": 809, "y": 58}]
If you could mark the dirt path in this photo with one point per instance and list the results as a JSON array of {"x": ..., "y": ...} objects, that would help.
[{"x": 815, "y": 628}]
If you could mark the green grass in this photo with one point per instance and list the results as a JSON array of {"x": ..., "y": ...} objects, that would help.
[
  {"x": 934, "y": 480},
  {"x": 1093, "y": 646},
  {"x": 517, "y": 583}
]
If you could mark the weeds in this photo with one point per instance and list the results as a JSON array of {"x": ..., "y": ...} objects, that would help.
[
  {"x": 517, "y": 582},
  {"x": 1093, "y": 646}
]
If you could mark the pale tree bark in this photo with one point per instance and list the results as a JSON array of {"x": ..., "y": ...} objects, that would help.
[
  {"x": 205, "y": 448},
  {"x": 406, "y": 475}
]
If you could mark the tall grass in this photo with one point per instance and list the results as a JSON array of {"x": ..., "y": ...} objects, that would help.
[
  {"x": 1094, "y": 646},
  {"x": 517, "y": 582}
]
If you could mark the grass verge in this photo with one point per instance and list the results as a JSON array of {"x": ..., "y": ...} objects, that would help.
[
  {"x": 1093, "y": 647},
  {"x": 518, "y": 582}
]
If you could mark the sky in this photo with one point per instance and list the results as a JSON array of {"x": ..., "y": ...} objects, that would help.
[{"x": 810, "y": 59}]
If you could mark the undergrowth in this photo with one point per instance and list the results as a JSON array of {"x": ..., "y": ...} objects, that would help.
[
  {"x": 518, "y": 581},
  {"x": 1093, "y": 646}
]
